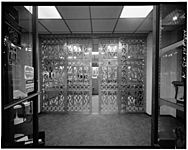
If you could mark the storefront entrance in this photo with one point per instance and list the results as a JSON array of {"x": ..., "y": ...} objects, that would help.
[{"x": 67, "y": 75}]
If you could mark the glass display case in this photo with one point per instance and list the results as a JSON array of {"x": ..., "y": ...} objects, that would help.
[
  {"x": 172, "y": 62},
  {"x": 19, "y": 76}
]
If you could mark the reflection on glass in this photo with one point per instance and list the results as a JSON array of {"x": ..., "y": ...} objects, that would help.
[
  {"x": 18, "y": 41},
  {"x": 171, "y": 116},
  {"x": 17, "y": 32}
]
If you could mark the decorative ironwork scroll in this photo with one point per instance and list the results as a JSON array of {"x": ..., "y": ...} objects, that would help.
[
  {"x": 66, "y": 75},
  {"x": 79, "y": 74},
  {"x": 132, "y": 75},
  {"x": 108, "y": 72},
  {"x": 53, "y": 72}
]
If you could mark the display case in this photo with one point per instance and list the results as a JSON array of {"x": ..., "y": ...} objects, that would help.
[
  {"x": 19, "y": 77},
  {"x": 172, "y": 62}
]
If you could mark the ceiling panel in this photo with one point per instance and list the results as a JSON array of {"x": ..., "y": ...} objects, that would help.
[
  {"x": 27, "y": 27},
  {"x": 55, "y": 25},
  {"x": 105, "y": 11},
  {"x": 74, "y": 12},
  {"x": 79, "y": 25},
  {"x": 146, "y": 26},
  {"x": 103, "y": 25},
  {"x": 128, "y": 24},
  {"x": 42, "y": 30}
]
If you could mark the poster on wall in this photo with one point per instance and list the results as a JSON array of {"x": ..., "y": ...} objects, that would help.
[{"x": 29, "y": 78}]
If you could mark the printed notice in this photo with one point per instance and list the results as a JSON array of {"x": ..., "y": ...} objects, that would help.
[{"x": 29, "y": 77}]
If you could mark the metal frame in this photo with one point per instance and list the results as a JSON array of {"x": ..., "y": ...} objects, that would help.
[
  {"x": 7, "y": 94},
  {"x": 155, "y": 76},
  {"x": 35, "y": 65},
  {"x": 7, "y": 111}
]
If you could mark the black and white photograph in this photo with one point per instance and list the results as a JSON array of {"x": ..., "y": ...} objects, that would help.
[{"x": 93, "y": 75}]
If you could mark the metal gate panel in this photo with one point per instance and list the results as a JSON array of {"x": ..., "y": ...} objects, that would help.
[
  {"x": 79, "y": 85},
  {"x": 108, "y": 75},
  {"x": 132, "y": 69},
  {"x": 66, "y": 75},
  {"x": 53, "y": 73}
]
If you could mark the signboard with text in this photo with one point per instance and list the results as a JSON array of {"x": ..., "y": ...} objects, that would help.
[{"x": 29, "y": 77}]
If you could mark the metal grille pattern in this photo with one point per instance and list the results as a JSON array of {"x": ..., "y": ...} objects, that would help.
[
  {"x": 79, "y": 75},
  {"x": 108, "y": 72},
  {"x": 66, "y": 75},
  {"x": 132, "y": 75},
  {"x": 53, "y": 60}
]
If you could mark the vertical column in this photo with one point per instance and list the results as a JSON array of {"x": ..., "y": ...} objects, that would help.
[
  {"x": 155, "y": 76},
  {"x": 40, "y": 73},
  {"x": 144, "y": 73},
  {"x": 35, "y": 62}
]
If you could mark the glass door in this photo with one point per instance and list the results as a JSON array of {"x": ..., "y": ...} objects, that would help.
[
  {"x": 172, "y": 59},
  {"x": 19, "y": 76}
]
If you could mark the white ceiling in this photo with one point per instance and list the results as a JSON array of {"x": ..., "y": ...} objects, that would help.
[
  {"x": 92, "y": 19},
  {"x": 105, "y": 12}
]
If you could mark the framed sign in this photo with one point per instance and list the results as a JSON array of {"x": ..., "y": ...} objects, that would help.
[{"x": 29, "y": 77}]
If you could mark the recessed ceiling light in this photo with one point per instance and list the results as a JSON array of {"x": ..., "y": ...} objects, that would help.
[
  {"x": 48, "y": 12},
  {"x": 175, "y": 18},
  {"x": 135, "y": 11},
  {"x": 29, "y": 8}
]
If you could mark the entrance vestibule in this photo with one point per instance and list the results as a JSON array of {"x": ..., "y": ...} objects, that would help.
[
  {"x": 69, "y": 80},
  {"x": 94, "y": 75}
]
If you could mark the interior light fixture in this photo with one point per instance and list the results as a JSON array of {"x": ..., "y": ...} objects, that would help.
[
  {"x": 135, "y": 11},
  {"x": 29, "y": 8},
  {"x": 95, "y": 53},
  {"x": 48, "y": 12},
  {"x": 175, "y": 18}
]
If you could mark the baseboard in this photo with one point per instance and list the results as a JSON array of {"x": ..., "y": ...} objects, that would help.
[
  {"x": 168, "y": 116},
  {"x": 161, "y": 115}
]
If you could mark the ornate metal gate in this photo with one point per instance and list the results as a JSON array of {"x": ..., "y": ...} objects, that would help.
[
  {"x": 132, "y": 68},
  {"x": 108, "y": 75},
  {"x": 53, "y": 73},
  {"x": 66, "y": 75},
  {"x": 79, "y": 83},
  {"x": 122, "y": 75}
]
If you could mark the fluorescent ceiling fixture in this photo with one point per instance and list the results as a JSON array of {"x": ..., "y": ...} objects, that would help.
[
  {"x": 48, "y": 12},
  {"x": 29, "y": 8},
  {"x": 135, "y": 11}
]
